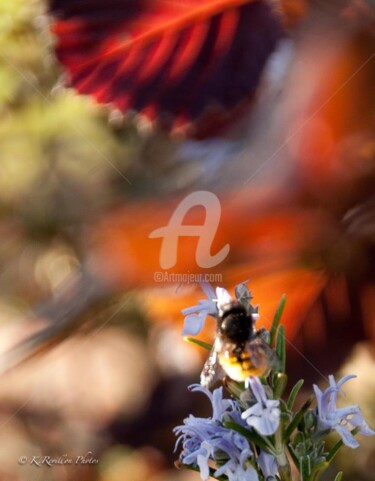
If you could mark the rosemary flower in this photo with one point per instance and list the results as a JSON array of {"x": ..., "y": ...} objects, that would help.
[{"x": 341, "y": 420}]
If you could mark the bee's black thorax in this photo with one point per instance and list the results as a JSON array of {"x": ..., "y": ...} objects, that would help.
[{"x": 236, "y": 325}]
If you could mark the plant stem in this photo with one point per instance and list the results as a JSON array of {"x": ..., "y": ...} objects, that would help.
[{"x": 281, "y": 457}]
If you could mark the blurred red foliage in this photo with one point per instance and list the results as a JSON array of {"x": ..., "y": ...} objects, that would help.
[{"x": 190, "y": 64}]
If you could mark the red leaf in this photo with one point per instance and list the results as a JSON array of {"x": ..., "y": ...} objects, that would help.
[{"x": 175, "y": 60}]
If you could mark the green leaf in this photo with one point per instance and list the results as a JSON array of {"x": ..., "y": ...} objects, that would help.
[
  {"x": 339, "y": 476},
  {"x": 293, "y": 454},
  {"x": 280, "y": 347},
  {"x": 203, "y": 344},
  {"x": 284, "y": 419},
  {"x": 293, "y": 393},
  {"x": 305, "y": 468},
  {"x": 297, "y": 418},
  {"x": 252, "y": 436},
  {"x": 320, "y": 446},
  {"x": 281, "y": 381},
  {"x": 277, "y": 318},
  {"x": 283, "y": 407},
  {"x": 310, "y": 421},
  {"x": 298, "y": 438},
  {"x": 335, "y": 450}
]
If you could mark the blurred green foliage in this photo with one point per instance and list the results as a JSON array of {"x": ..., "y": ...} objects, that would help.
[{"x": 62, "y": 161}]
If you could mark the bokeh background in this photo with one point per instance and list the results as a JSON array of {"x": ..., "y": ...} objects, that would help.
[{"x": 114, "y": 383}]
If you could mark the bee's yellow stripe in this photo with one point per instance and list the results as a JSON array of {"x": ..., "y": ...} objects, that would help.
[{"x": 240, "y": 370}]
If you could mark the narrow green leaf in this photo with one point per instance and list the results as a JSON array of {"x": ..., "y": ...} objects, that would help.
[
  {"x": 293, "y": 393},
  {"x": 339, "y": 476},
  {"x": 304, "y": 468},
  {"x": 293, "y": 454},
  {"x": 285, "y": 419},
  {"x": 283, "y": 407},
  {"x": 277, "y": 318},
  {"x": 280, "y": 347},
  {"x": 281, "y": 381},
  {"x": 320, "y": 446},
  {"x": 203, "y": 344},
  {"x": 298, "y": 438},
  {"x": 335, "y": 450},
  {"x": 310, "y": 421},
  {"x": 251, "y": 436},
  {"x": 297, "y": 419}
]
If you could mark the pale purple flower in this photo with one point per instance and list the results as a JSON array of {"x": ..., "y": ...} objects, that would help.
[
  {"x": 264, "y": 415},
  {"x": 268, "y": 465},
  {"x": 205, "y": 439},
  {"x": 195, "y": 316},
  {"x": 203, "y": 442},
  {"x": 342, "y": 420}
]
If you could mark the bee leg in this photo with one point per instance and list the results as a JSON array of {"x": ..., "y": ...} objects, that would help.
[{"x": 212, "y": 372}]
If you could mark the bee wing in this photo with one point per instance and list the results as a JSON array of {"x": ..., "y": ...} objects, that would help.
[
  {"x": 212, "y": 371},
  {"x": 259, "y": 349},
  {"x": 273, "y": 358},
  {"x": 243, "y": 295}
]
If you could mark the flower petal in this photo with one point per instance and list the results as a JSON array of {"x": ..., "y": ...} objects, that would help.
[
  {"x": 196, "y": 315},
  {"x": 256, "y": 410},
  {"x": 241, "y": 474},
  {"x": 219, "y": 405},
  {"x": 223, "y": 297},
  {"x": 258, "y": 389},
  {"x": 202, "y": 462},
  {"x": 318, "y": 395},
  {"x": 366, "y": 430},
  {"x": 224, "y": 468},
  {"x": 345, "y": 379},
  {"x": 266, "y": 424},
  {"x": 268, "y": 464},
  {"x": 193, "y": 324},
  {"x": 358, "y": 421},
  {"x": 208, "y": 290},
  {"x": 347, "y": 437}
]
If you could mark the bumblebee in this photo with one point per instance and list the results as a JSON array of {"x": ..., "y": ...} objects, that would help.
[{"x": 239, "y": 350}]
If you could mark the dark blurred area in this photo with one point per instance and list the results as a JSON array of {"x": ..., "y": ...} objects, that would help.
[{"x": 79, "y": 181}]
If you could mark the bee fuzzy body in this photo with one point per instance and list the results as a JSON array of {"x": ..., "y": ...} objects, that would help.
[
  {"x": 239, "y": 350},
  {"x": 244, "y": 363}
]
